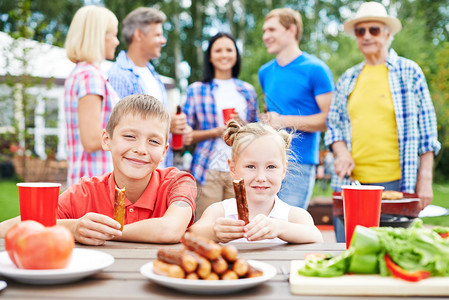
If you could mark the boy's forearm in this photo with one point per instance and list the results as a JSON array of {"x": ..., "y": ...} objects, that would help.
[{"x": 155, "y": 230}]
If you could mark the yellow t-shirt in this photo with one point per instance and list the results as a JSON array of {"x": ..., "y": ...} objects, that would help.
[{"x": 374, "y": 132}]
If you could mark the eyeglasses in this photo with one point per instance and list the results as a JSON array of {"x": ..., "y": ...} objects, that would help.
[{"x": 360, "y": 31}]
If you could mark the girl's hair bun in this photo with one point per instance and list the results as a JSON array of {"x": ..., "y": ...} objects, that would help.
[
  {"x": 287, "y": 137},
  {"x": 231, "y": 131}
]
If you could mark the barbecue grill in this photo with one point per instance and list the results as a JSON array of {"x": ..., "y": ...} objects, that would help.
[{"x": 394, "y": 213}]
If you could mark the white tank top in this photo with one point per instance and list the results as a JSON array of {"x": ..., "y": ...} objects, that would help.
[{"x": 280, "y": 211}]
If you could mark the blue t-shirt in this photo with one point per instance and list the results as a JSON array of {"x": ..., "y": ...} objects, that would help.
[{"x": 291, "y": 90}]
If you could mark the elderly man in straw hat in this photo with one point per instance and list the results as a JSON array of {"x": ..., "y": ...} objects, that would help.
[{"x": 381, "y": 124}]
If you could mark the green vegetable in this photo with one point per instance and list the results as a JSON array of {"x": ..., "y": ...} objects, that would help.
[
  {"x": 364, "y": 264},
  {"x": 412, "y": 249},
  {"x": 365, "y": 241},
  {"x": 327, "y": 267},
  {"x": 366, "y": 247}
]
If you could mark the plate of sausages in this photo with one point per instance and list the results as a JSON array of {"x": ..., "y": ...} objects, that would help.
[{"x": 205, "y": 267}]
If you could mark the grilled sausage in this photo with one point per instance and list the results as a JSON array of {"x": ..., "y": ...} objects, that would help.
[
  {"x": 240, "y": 267},
  {"x": 240, "y": 198},
  {"x": 219, "y": 265},
  {"x": 204, "y": 247},
  {"x": 212, "y": 276},
  {"x": 178, "y": 257},
  {"x": 229, "y": 253},
  {"x": 204, "y": 265},
  {"x": 192, "y": 276},
  {"x": 253, "y": 272},
  {"x": 165, "y": 269},
  {"x": 229, "y": 275}
]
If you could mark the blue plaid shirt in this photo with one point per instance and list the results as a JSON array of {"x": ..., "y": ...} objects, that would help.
[
  {"x": 201, "y": 112},
  {"x": 415, "y": 116},
  {"x": 126, "y": 81}
]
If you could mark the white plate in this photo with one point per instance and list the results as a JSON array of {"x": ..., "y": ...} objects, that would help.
[
  {"x": 255, "y": 245},
  {"x": 84, "y": 262},
  {"x": 210, "y": 286},
  {"x": 2, "y": 285}
]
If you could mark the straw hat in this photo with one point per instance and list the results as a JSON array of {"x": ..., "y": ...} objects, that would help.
[{"x": 373, "y": 11}]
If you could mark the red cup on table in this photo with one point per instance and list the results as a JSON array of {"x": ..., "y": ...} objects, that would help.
[
  {"x": 227, "y": 112},
  {"x": 39, "y": 202},
  {"x": 361, "y": 206}
]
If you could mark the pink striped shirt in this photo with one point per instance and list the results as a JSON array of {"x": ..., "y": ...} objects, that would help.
[{"x": 86, "y": 79}]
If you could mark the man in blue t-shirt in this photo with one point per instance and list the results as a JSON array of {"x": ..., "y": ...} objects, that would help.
[{"x": 298, "y": 90}]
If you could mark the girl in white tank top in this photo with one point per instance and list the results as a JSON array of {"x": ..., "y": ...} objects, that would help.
[{"x": 259, "y": 157}]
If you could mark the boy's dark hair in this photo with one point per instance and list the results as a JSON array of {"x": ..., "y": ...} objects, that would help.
[
  {"x": 143, "y": 105},
  {"x": 209, "y": 70}
]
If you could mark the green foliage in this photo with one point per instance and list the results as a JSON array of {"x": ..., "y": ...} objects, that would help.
[
  {"x": 185, "y": 30},
  {"x": 439, "y": 84},
  {"x": 191, "y": 23},
  {"x": 344, "y": 56},
  {"x": 48, "y": 20}
]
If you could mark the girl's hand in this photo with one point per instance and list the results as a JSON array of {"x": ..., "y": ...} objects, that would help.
[
  {"x": 96, "y": 229},
  {"x": 260, "y": 228},
  {"x": 228, "y": 230}
]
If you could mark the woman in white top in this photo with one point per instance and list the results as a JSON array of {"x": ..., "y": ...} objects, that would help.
[
  {"x": 259, "y": 157},
  {"x": 220, "y": 89}
]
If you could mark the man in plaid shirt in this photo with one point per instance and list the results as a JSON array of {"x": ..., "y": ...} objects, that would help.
[
  {"x": 381, "y": 124},
  {"x": 132, "y": 73}
]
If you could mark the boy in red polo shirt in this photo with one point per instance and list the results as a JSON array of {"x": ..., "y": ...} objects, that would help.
[{"x": 160, "y": 203}]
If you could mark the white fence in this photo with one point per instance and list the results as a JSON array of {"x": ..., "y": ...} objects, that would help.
[{"x": 49, "y": 117}]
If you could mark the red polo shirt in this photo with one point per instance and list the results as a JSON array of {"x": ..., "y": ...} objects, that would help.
[{"x": 96, "y": 194}]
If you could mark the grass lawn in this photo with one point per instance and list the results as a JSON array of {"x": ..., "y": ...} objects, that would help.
[
  {"x": 440, "y": 198},
  {"x": 9, "y": 200}
]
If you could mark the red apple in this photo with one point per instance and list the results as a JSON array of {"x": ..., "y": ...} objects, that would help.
[
  {"x": 50, "y": 248},
  {"x": 17, "y": 230}
]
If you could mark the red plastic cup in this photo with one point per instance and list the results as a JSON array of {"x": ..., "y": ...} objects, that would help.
[
  {"x": 361, "y": 206},
  {"x": 39, "y": 202},
  {"x": 227, "y": 112}
]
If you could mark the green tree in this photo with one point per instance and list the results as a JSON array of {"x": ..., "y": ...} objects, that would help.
[
  {"x": 439, "y": 84},
  {"x": 49, "y": 20},
  {"x": 190, "y": 24}
]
